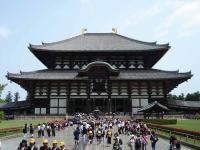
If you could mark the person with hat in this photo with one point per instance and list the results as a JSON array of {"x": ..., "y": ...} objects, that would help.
[
  {"x": 62, "y": 145},
  {"x": 55, "y": 145},
  {"x": 23, "y": 145},
  {"x": 90, "y": 135},
  {"x": 45, "y": 145},
  {"x": 32, "y": 145},
  {"x": 109, "y": 136},
  {"x": 98, "y": 135}
]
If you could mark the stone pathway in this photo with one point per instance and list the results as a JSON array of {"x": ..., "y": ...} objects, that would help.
[{"x": 67, "y": 136}]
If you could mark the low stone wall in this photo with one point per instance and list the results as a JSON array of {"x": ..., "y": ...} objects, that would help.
[
  {"x": 34, "y": 117},
  {"x": 173, "y": 117},
  {"x": 138, "y": 116}
]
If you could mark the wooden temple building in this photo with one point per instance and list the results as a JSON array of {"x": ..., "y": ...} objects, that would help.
[{"x": 107, "y": 71}]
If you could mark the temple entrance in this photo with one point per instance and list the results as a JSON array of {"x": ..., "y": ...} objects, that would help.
[
  {"x": 120, "y": 106},
  {"x": 99, "y": 103}
]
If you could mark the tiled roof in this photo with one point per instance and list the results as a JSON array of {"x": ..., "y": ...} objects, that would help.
[
  {"x": 152, "y": 106},
  {"x": 140, "y": 74},
  {"x": 15, "y": 105},
  {"x": 182, "y": 103},
  {"x": 99, "y": 42}
]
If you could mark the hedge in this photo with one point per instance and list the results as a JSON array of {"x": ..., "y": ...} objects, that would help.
[
  {"x": 2, "y": 115},
  {"x": 160, "y": 121}
]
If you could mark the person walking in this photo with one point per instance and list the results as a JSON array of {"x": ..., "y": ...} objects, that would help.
[
  {"x": 45, "y": 145},
  {"x": 48, "y": 130},
  {"x": 131, "y": 142},
  {"x": 90, "y": 135},
  {"x": 154, "y": 140},
  {"x": 138, "y": 144},
  {"x": 55, "y": 145},
  {"x": 31, "y": 130},
  {"x": 98, "y": 135},
  {"x": 109, "y": 136},
  {"x": 23, "y": 145},
  {"x": 39, "y": 130},
  {"x": 76, "y": 135},
  {"x": 174, "y": 144},
  {"x": 25, "y": 130},
  {"x": 84, "y": 132},
  {"x": 144, "y": 141},
  {"x": 32, "y": 145},
  {"x": 42, "y": 129},
  {"x": 62, "y": 146},
  {"x": 116, "y": 145},
  {"x": 53, "y": 129}
]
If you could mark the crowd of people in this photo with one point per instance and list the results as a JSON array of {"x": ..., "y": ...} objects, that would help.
[
  {"x": 49, "y": 127},
  {"x": 32, "y": 145},
  {"x": 90, "y": 129}
]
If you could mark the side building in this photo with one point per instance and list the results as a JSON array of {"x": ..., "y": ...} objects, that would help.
[{"x": 107, "y": 71}]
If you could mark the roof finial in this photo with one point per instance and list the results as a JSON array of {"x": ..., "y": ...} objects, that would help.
[
  {"x": 114, "y": 30},
  {"x": 83, "y": 30}
]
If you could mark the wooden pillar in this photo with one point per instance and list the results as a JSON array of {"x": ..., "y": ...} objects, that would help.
[
  {"x": 115, "y": 105},
  {"x": 129, "y": 99},
  {"x": 48, "y": 97},
  {"x": 165, "y": 92},
  {"x": 149, "y": 91},
  {"x": 30, "y": 97},
  {"x": 88, "y": 97},
  {"x": 109, "y": 96}
]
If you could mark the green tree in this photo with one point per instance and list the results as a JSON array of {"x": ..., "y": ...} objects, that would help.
[
  {"x": 181, "y": 97},
  {"x": 1, "y": 115},
  {"x": 16, "y": 96},
  {"x": 193, "y": 96},
  {"x": 9, "y": 97},
  {"x": 2, "y": 87}
]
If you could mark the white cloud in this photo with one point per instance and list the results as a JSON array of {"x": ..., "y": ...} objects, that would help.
[
  {"x": 4, "y": 32},
  {"x": 161, "y": 33},
  {"x": 85, "y": 2},
  {"x": 184, "y": 20},
  {"x": 140, "y": 16}
]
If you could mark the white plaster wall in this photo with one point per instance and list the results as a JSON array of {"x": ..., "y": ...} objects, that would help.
[{"x": 135, "y": 103}]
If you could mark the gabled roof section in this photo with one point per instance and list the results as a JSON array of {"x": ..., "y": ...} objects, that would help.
[
  {"x": 154, "y": 106},
  {"x": 99, "y": 42},
  {"x": 99, "y": 64}
]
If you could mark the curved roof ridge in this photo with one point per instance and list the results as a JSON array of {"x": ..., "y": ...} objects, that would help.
[
  {"x": 99, "y": 63},
  {"x": 61, "y": 41},
  {"x": 167, "y": 71},
  {"x": 57, "y": 42},
  {"x": 143, "y": 42}
]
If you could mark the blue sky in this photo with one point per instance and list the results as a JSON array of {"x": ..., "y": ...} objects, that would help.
[{"x": 27, "y": 21}]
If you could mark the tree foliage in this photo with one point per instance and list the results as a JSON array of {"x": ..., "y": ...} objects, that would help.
[
  {"x": 188, "y": 97},
  {"x": 16, "y": 96},
  {"x": 9, "y": 97},
  {"x": 1, "y": 115},
  {"x": 2, "y": 87}
]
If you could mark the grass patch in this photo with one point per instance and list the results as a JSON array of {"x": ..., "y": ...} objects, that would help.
[
  {"x": 193, "y": 125},
  {"x": 19, "y": 123}
]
